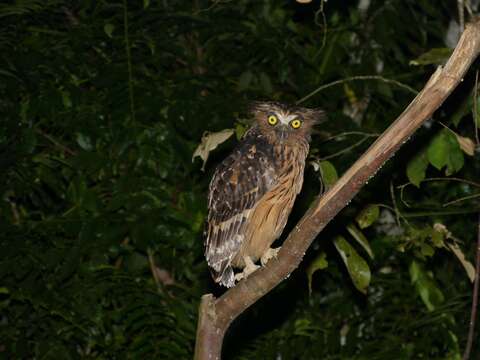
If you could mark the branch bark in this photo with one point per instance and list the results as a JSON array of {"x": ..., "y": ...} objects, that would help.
[
  {"x": 215, "y": 315},
  {"x": 473, "y": 312}
]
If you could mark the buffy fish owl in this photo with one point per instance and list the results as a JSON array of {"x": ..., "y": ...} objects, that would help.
[{"x": 253, "y": 190}]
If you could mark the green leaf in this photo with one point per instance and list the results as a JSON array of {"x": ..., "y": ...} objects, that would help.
[
  {"x": 455, "y": 155},
  {"x": 417, "y": 168},
  {"x": 303, "y": 327},
  {"x": 360, "y": 238},
  {"x": 368, "y": 216},
  {"x": 245, "y": 80},
  {"x": 467, "y": 265},
  {"x": 444, "y": 150},
  {"x": 84, "y": 141},
  {"x": 266, "y": 83},
  {"x": 240, "y": 130},
  {"x": 463, "y": 109},
  {"x": 438, "y": 237},
  {"x": 328, "y": 173},
  {"x": 319, "y": 263},
  {"x": 438, "y": 150},
  {"x": 425, "y": 286},
  {"x": 427, "y": 250},
  {"x": 357, "y": 267},
  {"x": 108, "y": 28},
  {"x": 436, "y": 56},
  {"x": 29, "y": 140},
  {"x": 66, "y": 99}
]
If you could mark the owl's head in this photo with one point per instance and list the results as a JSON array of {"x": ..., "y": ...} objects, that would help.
[{"x": 285, "y": 123}]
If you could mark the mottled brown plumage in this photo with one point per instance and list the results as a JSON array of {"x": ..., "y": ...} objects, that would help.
[{"x": 253, "y": 190}]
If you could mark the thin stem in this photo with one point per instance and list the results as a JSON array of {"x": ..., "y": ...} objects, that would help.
[
  {"x": 403, "y": 186},
  {"x": 419, "y": 214},
  {"x": 55, "y": 142},
  {"x": 394, "y": 202},
  {"x": 392, "y": 209},
  {"x": 151, "y": 262},
  {"x": 475, "y": 109},
  {"x": 473, "y": 314},
  {"x": 469, "y": 197},
  {"x": 468, "y": 182},
  {"x": 129, "y": 61},
  {"x": 348, "y": 133},
  {"x": 324, "y": 23},
  {"x": 347, "y": 149},
  {"x": 354, "y": 78},
  {"x": 461, "y": 14}
]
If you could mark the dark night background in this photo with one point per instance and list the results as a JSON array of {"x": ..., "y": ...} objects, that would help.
[{"x": 103, "y": 104}]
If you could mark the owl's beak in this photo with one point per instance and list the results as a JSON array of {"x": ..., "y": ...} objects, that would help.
[{"x": 282, "y": 133}]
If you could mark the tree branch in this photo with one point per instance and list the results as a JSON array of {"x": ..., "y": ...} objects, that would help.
[
  {"x": 473, "y": 313},
  {"x": 216, "y": 315}
]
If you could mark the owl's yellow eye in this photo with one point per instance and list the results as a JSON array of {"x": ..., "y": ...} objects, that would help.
[
  {"x": 272, "y": 120},
  {"x": 295, "y": 123}
]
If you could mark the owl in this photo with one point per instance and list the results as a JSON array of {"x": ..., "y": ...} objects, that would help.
[{"x": 253, "y": 190}]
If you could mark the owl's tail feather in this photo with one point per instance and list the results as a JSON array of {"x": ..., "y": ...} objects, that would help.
[{"x": 225, "y": 277}]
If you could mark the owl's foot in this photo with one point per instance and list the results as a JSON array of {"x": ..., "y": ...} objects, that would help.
[
  {"x": 270, "y": 253},
  {"x": 249, "y": 268}
]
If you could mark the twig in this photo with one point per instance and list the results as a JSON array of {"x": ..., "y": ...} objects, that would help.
[
  {"x": 15, "y": 213},
  {"x": 464, "y": 198},
  {"x": 403, "y": 186},
  {"x": 119, "y": 261},
  {"x": 468, "y": 182},
  {"x": 354, "y": 78},
  {"x": 55, "y": 142},
  {"x": 216, "y": 315},
  {"x": 468, "y": 6},
  {"x": 473, "y": 314},
  {"x": 419, "y": 214},
  {"x": 72, "y": 18},
  {"x": 129, "y": 61},
  {"x": 348, "y": 133},
  {"x": 392, "y": 209},
  {"x": 210, "y": 7},
  {"x": 461, "y": 14},
  {"x": 394, "y": 202},
  {"x": 475, "y": 109},
  {"x": 324, "y": 23},
  {"x": 347, "y": 149},
  {"x": 151, "y": 262}
]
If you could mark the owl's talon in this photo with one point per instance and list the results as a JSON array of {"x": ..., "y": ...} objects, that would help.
[
  {"x": 249, "y": 268},
  {"x": 239, "y": 277},
  {"x": 270, "y": 253}
]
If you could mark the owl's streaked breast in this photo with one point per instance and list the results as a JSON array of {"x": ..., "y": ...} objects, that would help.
[{"x": 270, "y": 214}]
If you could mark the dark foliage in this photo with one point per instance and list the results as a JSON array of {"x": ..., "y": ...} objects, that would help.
[{"x": 102, "y": 210}]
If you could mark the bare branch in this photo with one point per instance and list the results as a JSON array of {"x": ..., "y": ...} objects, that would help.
[
  {"x": 216, "y": 315},
  {"x": 354, "y": 78},
  {"x": 476, "y": 284}
]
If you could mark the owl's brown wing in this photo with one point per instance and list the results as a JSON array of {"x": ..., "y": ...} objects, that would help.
[{"x": 237, "y": 185}]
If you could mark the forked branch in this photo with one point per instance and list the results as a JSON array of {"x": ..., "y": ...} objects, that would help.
[{"x": 215, "y": 315}]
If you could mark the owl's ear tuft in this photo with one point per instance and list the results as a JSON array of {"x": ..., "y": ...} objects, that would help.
[
  {"x": 260, "y": 106},
  {"x": 318, "y": 115},
  {"x": 255, "y": 106}
]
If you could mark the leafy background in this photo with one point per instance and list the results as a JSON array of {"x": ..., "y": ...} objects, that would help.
[{"x": 103, "y": 104}]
